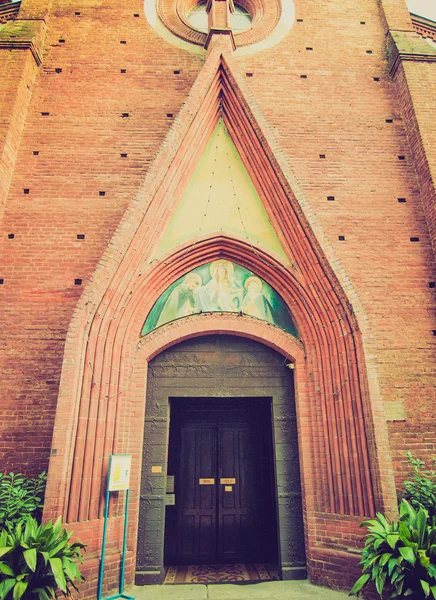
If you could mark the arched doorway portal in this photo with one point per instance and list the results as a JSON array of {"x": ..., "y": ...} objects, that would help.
[{"x": 218, "y": 404}]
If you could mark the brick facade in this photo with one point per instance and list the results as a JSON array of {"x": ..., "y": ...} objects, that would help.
[{"x": 101, "y": 123}]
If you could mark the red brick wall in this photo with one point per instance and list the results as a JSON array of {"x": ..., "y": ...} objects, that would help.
[
  {"x": 80, "y": 145},
  {"x": 17, "y": 75},
  {"x": 415, "y": 83},
  {"x": 338, "y": 110}
]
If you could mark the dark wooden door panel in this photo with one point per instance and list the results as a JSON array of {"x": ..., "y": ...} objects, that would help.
[
  {"x": 223, "y": 521},
  {"x": 236, "y": 501},
  {"x": 187, "y": 535},
  {"x": 207, "y": 538},
  {"x": 196, "y": 502}
]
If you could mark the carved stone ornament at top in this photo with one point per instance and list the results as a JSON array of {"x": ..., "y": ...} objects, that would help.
[
  {"x": 220, "y": 19},
  {"x": 249, "y": 21}
]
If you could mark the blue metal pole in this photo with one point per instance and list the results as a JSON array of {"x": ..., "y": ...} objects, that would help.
[
  {"x": 123, "y": 559},
  {"x": 121, "y": 593},
  {"x": 103, "y": 548}
]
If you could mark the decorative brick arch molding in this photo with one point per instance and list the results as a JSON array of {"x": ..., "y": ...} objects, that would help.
[{"x": 102, "y": 398}]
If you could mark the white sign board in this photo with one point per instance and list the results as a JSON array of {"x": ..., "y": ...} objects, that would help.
[{"x": 119, "y": 472}]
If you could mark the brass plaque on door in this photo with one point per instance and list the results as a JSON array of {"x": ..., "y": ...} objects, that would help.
[
  {"x": 227, "y": 480},
  {"x": 228, "y": 488},
  {"x": 207, "y": 481},
  {"x": 170, "y": 484}
]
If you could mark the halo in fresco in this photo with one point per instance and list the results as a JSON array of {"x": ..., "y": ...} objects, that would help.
[{"x": 220, "y": 286}]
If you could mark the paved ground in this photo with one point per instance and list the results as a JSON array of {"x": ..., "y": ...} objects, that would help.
[{"x": 271, "y": 590}]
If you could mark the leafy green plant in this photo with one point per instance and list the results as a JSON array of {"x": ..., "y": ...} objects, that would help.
[
  {"x": 20, "y": 496},
  {"x": 36, "y": 560},
  {"x": 420, "y": 490},
  {"x": 400, "y": 556}
]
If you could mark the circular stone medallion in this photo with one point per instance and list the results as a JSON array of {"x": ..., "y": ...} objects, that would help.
[{"x": 257, "y": 24}]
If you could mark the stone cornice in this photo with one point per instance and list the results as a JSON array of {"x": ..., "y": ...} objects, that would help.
[
  {"x": 22, "y": 45},
  {"x": 424, "y": 26},
  {"x": 23, "y": 35},
  {"x": 215, "y": 31},
  {"x": 9, "y": 11},
  {"x": 407, "y": 46}
]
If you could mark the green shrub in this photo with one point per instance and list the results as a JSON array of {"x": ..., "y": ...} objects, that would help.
[
  {"x": 36, "y": 560},
  {"x": 400, "y": 556},
  {"x": 20, "y": 496},
  {"x": 420, "y": 490}
]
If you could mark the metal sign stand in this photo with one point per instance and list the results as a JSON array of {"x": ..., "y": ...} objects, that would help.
[{"x": 118, "y": 480}]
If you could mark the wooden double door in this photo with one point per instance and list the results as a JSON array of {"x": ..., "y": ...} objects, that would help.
[{"x": 221, "y": 459}]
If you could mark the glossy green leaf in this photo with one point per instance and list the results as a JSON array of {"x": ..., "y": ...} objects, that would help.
[
  {"x": 397, "y": 576},
  {"x": 424, "y": 560},
  {"x": 392, "y": 539},
  {"x": 382, "y": 520},
  {"x": 380, "y": 582},
  {"x": 384, "y": 558},
  {"x": 45, "y": 593},
  {"x": 5, "y": 587},
  {"x": 408, "y": 554},
  {"x": 6, "y": 569},
  {"x": 56, "y": 566},
  {"x": 425, "y": 587},
  {"x": 405, "y": 508},
  {"x": 421, "y": 523},
  {"x": 368, "y": 523},
  {"x": 393, "y": 562},
  {"x": 19, "y": 589},
  {"x": 71, "y": 570},
  {"x": 363, "y": 579},
  {"x": 57, "y": 526},
  {"x": 378, "y": 543},
  {"x": 30, "y": 558},
  {"x": 405, "y": 534}
]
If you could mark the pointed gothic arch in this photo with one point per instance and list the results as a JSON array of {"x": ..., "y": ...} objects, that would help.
[{"x": 99, "y": 412}]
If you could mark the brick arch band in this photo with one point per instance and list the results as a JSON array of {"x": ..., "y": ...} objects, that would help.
[{"x": 332, "y": 375}]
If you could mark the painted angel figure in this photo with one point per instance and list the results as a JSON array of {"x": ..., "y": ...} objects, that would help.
[
  {"x": 182, "y": 301},
  {"x": 222, "y": 292},
  {"x": 255, "y": 303}
]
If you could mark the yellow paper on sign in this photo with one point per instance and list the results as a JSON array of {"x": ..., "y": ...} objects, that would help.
[{"x": 119, "y": 473}]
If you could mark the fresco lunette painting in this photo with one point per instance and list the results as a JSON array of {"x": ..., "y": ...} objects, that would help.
[{"x": 220, "y": 286}]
